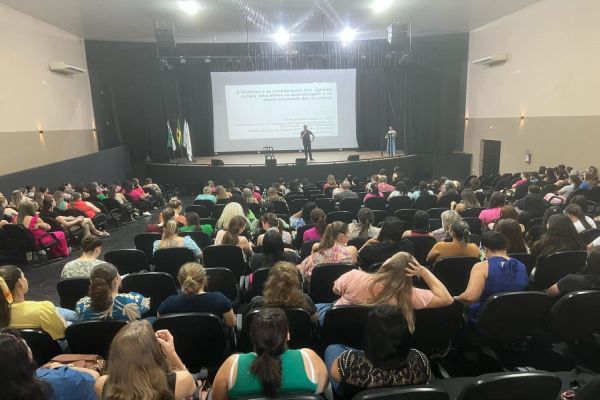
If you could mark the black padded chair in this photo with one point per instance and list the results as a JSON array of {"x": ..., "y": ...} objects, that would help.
[
  {"x": 155, "y": 285},
  {"x": 538, "y": 385},
  {"x": 326, "y": 204},
  {"x": 204, "y": 203},
  {"x": 474, "y": 225},
  {"x": 280, "y": 207},
  {"x": 425, "y": 202},
  {"x": 527, "y": 259},
  {"x": 43, "y": 347},
  {"x": 259, "y": 278},
  {"x": 92, "y": 337},
  {"x": 201, "y": 238},
  {"x": 435, "y": 328},
  {"x": 590, "y": 391},
  {"x": 208, "y": 221},
  {"x": 227, "y": 256},
  {"x": 406, "y": 215},
  {"x": 300, "y": 235},
  {"x": 576, "y": 316},
  {"x": 343, "y": 216},
  {"x": 399, "y": 203},
  {"x": 436, "y": 213},
  {"x": 380, "y": 216},
  {"x": 321, "y": 281},
  {"x": 216, "y": 211},
  {"x": 306, "y": 249},
  {"x": 376, "y": 203},
  {"x": 352, "y": 205},
  {"x": 475, "y": 239},
  {"x": 201, "y": 340},
  {"x": 128, "y": 261},
  {"x": 590, "y": 235},
  {"x": 255, "y": 208},
  {"x": 435, "y": 224},
  {"x": 169, "y": 260},
  {"x": 71, "y": 291},
  {"x": 145, "y": 243},
  {"x": 551, "y": 269},
  {"x": 454, "y": 272},
  {"x": 447, "y": 199},
  {"x": 223, "y": 280},
  {"x": 22, "y": 242},
  {"x": 296, "y": 205},
  {"x": 471, "y": 212},
  {"x": 202, "y": 211},
  {"x": 422, "y": 245},
  {"x": 345, "y": 325},
  {"x": 421, "y": 392}
]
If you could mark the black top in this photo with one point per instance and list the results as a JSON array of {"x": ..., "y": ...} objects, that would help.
[
  {"x": 211, "y": 302},
  {"x": 258, "y": 260},
  {"x": 378, "y": 252},
  {"x": 307, "y": 136},
  {"x": 259, "y": 301},
  {"x": 533, "y": 204},
  {"x": 575, "y": 282},
  {"x": 345, "y": 195}
]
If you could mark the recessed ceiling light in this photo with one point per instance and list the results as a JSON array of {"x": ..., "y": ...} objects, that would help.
[
  {"x": 282, "y": 36},
  {"x": 380, "y": 5},
  {"x": 190, "y": 7},
  {"x": 347, "y": 35}
]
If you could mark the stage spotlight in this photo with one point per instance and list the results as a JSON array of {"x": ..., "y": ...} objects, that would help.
[
  {"x": 282, "y": 36},
  {"x": 190, "y": 7},
  {"x": 347, "y": 35},
  {"x": 379, "y": 6}
]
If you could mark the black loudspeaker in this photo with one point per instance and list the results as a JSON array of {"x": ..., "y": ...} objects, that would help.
[
  {"x": 353, "y": 157},
  {"x": 271, "y": 162},
  {"x": 399, "y": 37},
  {"x": 300, "y": 161},
  {"x": 215, "y": 162}
]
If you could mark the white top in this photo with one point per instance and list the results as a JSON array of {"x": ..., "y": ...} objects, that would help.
[{"x": 579, "y": 226}]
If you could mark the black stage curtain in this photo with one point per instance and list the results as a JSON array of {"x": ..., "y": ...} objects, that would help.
[{"x": 422, "y": 96}]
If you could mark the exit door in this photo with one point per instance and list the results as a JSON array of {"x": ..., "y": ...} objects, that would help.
[{"x": 490, "y": 157}]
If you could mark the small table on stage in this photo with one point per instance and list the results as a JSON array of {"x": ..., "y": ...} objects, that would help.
[{"x": 269, "y": 154}]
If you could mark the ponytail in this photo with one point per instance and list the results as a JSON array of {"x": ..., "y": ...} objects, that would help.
[
  {"x": 365, "y": 219},
  {"x": 9, "y": 276},
  {"x": 317, "y": 216},
  {"x": 100, "y": 290},
  {"x": 460, "y": 230},
  {"x": 232, "y": 234}
]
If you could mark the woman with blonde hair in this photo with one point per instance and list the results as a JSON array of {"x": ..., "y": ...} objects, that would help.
[
  {"x": 283, "y": 289},
  {"x": 233, "y": 234},
  {"x": 177, "y": 206},
  {"x": 143, "y": 364},
  {"x": 221, "y": 193},
  {"x": 331, "y": 182},
  {"x": 468, "y": 200},
  {"x": 231, "y": 210},
  {"x": 193, "y": 297},
  {"x": 16, "y": 198},
  {"x": 170, "y": 239},
  {"x": 448, "y": 218}
]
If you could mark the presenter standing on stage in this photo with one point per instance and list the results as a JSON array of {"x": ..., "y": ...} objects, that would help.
[
  {"x": 390, "y": 137},
  {"x": 307, "y": 138}
]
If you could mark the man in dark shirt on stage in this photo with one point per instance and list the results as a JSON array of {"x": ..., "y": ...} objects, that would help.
[{"x": 307, "y": 137}]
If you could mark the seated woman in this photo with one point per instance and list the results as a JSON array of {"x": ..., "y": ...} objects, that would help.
[
  {"x": 581, "y": 221},
  {"x": 272, "y": 252},
  {"x": 38, "y": 229},
  {"x": 468, "y": 199},
  {"x": 246, "y": 211},
  {"x": 206, "y": 195},
  {"x": 21, "y": 379},
  {"x": 420, "y": 225},
  {"x": 317, "y": 218},
  {"x": 231, "y": 210},
  {"x": 589, "y": 279},
  {"x": 221, "y": 194},
  {"x": 363, "y": 229},
  {"x": 7, "y": 212},
  {"x": 511, "y": 230},
  {"x": 333, "y": 248},
  {"x": 492, "y": 213},
  {"x": 271, "y": 222},
  {"x": 387, "y": 359},
  {"x": 193, "y": 298},
  {"x": 560, "y": 235},
  {"x": 388, "y": 243},
  {"x": 165, "y": 216},
  {"x": 136, "y": 349},
  {"x": 283, "y": 289},
  {"x": 68, "y": 222},
  {"x": 104, "y": 300},
  {"x": 302, "y": 217},
  {"x": 401, "y": 190},
  {"x": 170, "y": 239},
  {"x": 233, "y": 234},
  {"x": 18, "y": 313},
  {"x": 498, "y": 273},
  {"x": 193, "y": 225},
  {"x": 272, "y": 369},
  {"x": 177, "y": 206},
  {"x": 448, "y": 218},
  {"x": 331, "y": 182},
  {"x": 372, "y": 191},
  {"x": 136, "y": 196},
  {"x": 81, "y": 267},
  {"x": 248, "y": 196},
  {"x": 507, "y": 212},
  {"x": 458, "y": 247},
  {"x": 86, "y": 207}
]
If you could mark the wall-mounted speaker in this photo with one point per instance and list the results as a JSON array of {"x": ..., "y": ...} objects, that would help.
[
  {"x": 215, "y": 162},
  {"x": 353, "y": 157},
  {"x": 399, "y": 37},
  {"x": 300, "y": 161},
  {"x": 271, "y": 162}
]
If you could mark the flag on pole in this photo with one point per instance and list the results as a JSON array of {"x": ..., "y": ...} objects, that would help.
[
  {"x": 187, "y": 142},
  {"x": 178, "y": 133},
  {"x": 170, "y": 141}
]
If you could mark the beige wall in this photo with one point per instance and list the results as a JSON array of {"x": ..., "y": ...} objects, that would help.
[
  {"x": 32, "y": 98},
  {"x": 552, "y": 77}
]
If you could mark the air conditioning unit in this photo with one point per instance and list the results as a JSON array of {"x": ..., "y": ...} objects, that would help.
[
  {"x": 62, "y": 67},
  {"x": 493, "y": 59}
]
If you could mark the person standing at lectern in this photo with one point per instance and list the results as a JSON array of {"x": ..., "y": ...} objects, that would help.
[
  {"x": 307, "y": 138},
  {"x": 390, "y": 138}
]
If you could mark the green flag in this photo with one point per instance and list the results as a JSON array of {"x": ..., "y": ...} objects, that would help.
[{"x": 170, "y": 141}]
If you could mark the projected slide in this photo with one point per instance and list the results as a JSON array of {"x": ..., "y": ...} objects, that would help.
[{"x": 269, "y": 108}]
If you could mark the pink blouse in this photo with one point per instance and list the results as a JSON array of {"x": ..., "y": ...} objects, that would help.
[
  {"x": 490, "y": 215},
  {"x": 337, "y": 254}
]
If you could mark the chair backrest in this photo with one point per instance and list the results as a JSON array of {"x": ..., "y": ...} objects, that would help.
[
  {"x": 208, "y": 221},
  {"x": 280, "y": 207},
  {"x": 425, "y": 202},
  {"x": 201, "y": 238},
  {"x": 406, "y": 215},
  {"x": 590, "y": 390},
  {"x": 43, "y": 347},
  {"x": 422, "y": 245},
  {"x": 423, "y": 392},
  {"x": 202, "y": 211},
  {"x": 306, "y": 249},
  {"x": 255, "y": 208},
  {"x": 228, "y": 256},
  {"x": 474, "y": 225},
  {"x": 145, "y": 243},
  {"x": 551, "y": 269},
  {"x": 154, "y": 285},
  {"x": 92, "y": 337},
  {"x": 71, "y": 291},
  {"x": 127, "y": 261},
  {"x": 398, "y": 203},
  {"x": 20, "y": 239},
  {"x": 352, "y": 205},
  {"x": 343, "y": 216},
  {"x": 205, "y": 203},
  {"x": 345, "y": 325},
  {"x": 471, "y": 212},
  {"x": 300, "y": 234},
  {"x": 511, "y": 317},
  {"x": 454, "y": 272},
  {"x": 297, "y": 204},
  {"x": 380, "y": 216},
  {"x": 435, "y": 224},
  {"x": 321, "y": 282},
  {"x": 222, "y": 280},
  {"x": 590, "y": 235},
  {"x": 217, "y": 210},
  {"x": 259, "y": 278},
  {"x": 171, "y": 259},
  {"x": 327, "y": 204},
  {"x": 376, "y": 203},
  {"x": 536, "y": 385},
  {"x": 576, "y": 316},
  {"x": 436, "y": 213},
  {"x": 447, "y": 199},
  {"x": 436, "y": 327},
  {"x": 527, "y": 259},
  {"x": 200, "y": 339}
]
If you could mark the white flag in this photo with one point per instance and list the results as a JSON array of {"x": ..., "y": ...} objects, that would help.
[
  {"x": 187, "y": 142},
  {"x": 170, "y": 141}
]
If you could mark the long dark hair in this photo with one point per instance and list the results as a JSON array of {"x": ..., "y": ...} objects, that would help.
[
  {"x": 272, "y": 247},
  {"x": 269, "y": 332},
  {"x": 560, "y": 235},
  {"x": 232, "y": 234},
  {"x": 577, "y": 212},
  {"x": 193, "y": 219},
  {"x": 387, "y": 337},
  {"x": 511, "y": 230},
  {"x": 497, "y": 199},
  {"x": 317, "y": 216},
  {"x": 100, "y": 290},
  {"x": 391, "y": 230},
  {"x": 17, "y": 369},
  {"x": 11, "y": 275},
  {"x": 365, "y": 220}
]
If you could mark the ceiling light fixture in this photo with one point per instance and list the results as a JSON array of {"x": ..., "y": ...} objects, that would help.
[
  {"x": 379, "y": 6},
  {"x": 347, "y": 35},
  {"x": 282, "y": 36},
  {"x": 190, "y": 7}
]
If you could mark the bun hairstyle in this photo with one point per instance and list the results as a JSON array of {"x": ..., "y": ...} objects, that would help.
[
  {"x": 175, "y": 203},
  {"x": 317, "y": 216},
  {"x": 269, "y": 332},
  {"x": 192, "y": 278},
  {"x": 460, "y": 230},
  {"x": 90, "y": 243},
  {"x": 100, "y": 290},
  {"x": 9, "y": 276}
]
